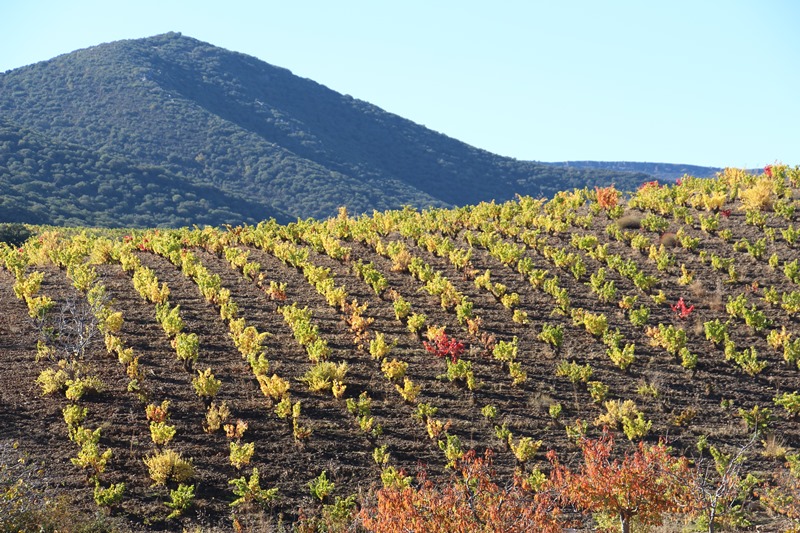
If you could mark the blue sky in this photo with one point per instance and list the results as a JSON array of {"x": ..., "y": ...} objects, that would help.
[{"x": 697, "y": 82}]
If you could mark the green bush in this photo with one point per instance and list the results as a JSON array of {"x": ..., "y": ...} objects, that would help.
[{"x": 14, "y": 234}]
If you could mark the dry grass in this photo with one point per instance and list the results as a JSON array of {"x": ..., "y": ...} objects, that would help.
[
  {"x": 773, "y": 447},
  {"x": 668, "y": 240},
  {"x": 630, "y": 222}
]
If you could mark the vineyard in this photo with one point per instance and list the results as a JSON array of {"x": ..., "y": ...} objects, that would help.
[{"x": 305, "y": 374}]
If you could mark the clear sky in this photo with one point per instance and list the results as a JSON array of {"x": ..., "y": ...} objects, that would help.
[{"x": 705, "y": 82}]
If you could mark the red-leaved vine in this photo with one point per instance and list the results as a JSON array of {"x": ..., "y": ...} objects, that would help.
[
  {"x": 680, "y": 309},
  {"x": 444, "y": 346}
]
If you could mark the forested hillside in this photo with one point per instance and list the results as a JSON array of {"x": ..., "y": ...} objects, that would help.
[
  {"x": 211, "y": 117},
  {"x": 44, "y": 181},
  {"x": 666, "y": 172}
]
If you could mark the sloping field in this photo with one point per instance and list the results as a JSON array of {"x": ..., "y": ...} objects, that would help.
[{"x": 671, "y": 313}]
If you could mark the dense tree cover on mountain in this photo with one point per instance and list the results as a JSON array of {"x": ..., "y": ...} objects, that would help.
[
  {"x": 48, "y": 182},
  {"x": 667, "y": 172},
  {"x": 236, "y": 124}
]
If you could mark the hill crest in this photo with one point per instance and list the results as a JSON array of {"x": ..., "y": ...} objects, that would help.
[{"x": 253, "y": 130}]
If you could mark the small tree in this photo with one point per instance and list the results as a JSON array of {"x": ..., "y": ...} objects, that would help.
[
  {"x": 721, "y": 487},
  {"x": 645, "y": 484},
  {"x": 471, "y": 501}
]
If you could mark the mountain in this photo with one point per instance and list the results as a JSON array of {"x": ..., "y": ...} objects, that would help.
[
  {"x": 255, "y": 134},
  {"x": 666, "y": 172}
]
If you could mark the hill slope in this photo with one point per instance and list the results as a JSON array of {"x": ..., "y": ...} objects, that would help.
[
  {"x": 44, "y": 181},
  {"x": 673, "y": 313},
  {"x": 233, "y": 122},
  {"x": 666, "y": 172}
]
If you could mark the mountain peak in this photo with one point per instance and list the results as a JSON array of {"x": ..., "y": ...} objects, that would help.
[{"x": 251, "y": 130}]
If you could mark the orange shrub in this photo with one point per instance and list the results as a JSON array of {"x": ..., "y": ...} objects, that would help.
[
  {"x": 645, "y": 484},
  {"x": 607, "y": 197},
  {"x": 472, "y": 502}
]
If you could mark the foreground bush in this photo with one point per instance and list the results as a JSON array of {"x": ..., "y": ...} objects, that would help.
[
  {"x": 643, "y": 485},
  {"x": 472, "y": 502}
]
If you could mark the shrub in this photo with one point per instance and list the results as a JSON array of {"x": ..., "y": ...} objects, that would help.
[
  {"x": 597, "y": 390},
  {"x": 79, "y": 387},
  {"x": 216, "y": 416},
  {"x": 573, "y": 371},
  {"x": 443, "y": 346},
  {"x": 471, "y": 501},
  {"x": 379, "y": 348},
  {"x": 206, "y": 385},
  {"x": 758, "y": 197},
  {"x": 321, "y": 487},
  {"x": 505, "y": 351},
  {"x": 170, "y": 318},
  {"x": 167, "y": 466},
  {"x": 240, "y": 454},
  {"x": 402, "y": 309},
  {"x": 607, "y": 197},
  {"x": 73, "y": 416},
  {"x": 249, "y": 492},
  {"x": 394, "y": 370},
  {"x": 716, "y": 331},
  {"x": 757, "y": 419},
  {"x": 274, "y": 388},
  {"x": 424, "y": 412},
  {"x": 681, "y": 310},
  {"x": 663, "y": 484},
  {"x": 451, "y": 446},
  {"x": 415, "y": 322},
  {"x": 180, "y": 500},
  {"x": 791, "y": 352},
  {"x": 157, "y": 413},
  {"x": 790, "y": 402},
  {"x": 408, "y": 391},
  {"x": 627, "y": 415},
  {"x": 283, "y": 409},
  {"x": 596, "y": 324},
  {"x": 236, "y": 430},
  {"x": 161, "y": 433},
  {"x": 321, "y": 376},
  {"x": 552, "y": 334},
  {"x": 187, "y": 347},
  {"x": 669, "y": 337},
  {"x": 109, "y": 496},
  {"x": 461, "y": 370},
  {"x": 622, "y": 357},
  {"x": 639, "y": 317},
  {"x": 90, "y": 458},
  {"x": 518, "y": 376},
  {"x": 391, "y": 478},
  {"x": 52, "y": 381}
]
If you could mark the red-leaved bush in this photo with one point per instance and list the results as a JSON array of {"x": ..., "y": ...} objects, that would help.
[
  {"x": 681, "y": 310},
  {"x": 444, "y": 346}
]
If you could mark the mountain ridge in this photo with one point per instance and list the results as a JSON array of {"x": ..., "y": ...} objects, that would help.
[{"x": 256, "y": 131}]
